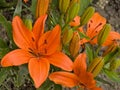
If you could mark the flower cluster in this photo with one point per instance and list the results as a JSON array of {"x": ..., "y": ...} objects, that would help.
[{"x": 70, "y": 49}]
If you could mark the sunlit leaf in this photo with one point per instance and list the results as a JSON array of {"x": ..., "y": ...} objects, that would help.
[{"x": 112, "y": 75}]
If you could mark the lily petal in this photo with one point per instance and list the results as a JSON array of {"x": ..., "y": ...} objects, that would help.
[
  {"x": 75, "y": 22},
  {"x": 64, "y": 78},
  {"x": 79, "y": 65},
  {"x": 87, "y": 80},
  {"x": 15, "y": 58},
  {"x": 38, "y": 28},
  {"x": 38, "y": 69},
  {"x": 21, "y": 35},
  {"x": 50, "y": 41},
  {"x": 60, "y": 60},
  {"x": 95, "y": 24},
  {"x": 112, "y": 37}
]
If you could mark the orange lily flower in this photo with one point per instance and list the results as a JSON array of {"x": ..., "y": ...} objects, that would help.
[
  {"x": 94, "y": 26},
  {"x": 37, "y": 48},
  {"x": 80, "y": 77}
]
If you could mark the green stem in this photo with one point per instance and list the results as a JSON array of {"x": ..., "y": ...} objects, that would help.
[
  {"x": 98, "y": 49},
  {"x": 64, "y": 27}
]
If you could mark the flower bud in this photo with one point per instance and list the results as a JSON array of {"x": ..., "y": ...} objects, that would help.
[
  {"x": 103, "y": 34},
  {"x": 74, "y": 44},
  {"x": 74, "y": 1},
  {"x": 96, "y": 66},
  {"x": 114, "y": 64},
  {"x": 88, "y": 13},
  {"x": 63, "y": 5},
  {"x": 111, "y": 48},
  {"x": 28, "y": 23},
  {"x": 42, "y": 7},
  {"x": 67, "y": 36},
  {"x": 72, "y": 11}
]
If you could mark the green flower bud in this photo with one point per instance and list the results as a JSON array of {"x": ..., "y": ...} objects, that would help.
[
  {"x": 63, "y": 5},
  {"x": 74, "y": 44},
  {"x": 28, "y": 22},
  {"x": 114, "y": 64},
  {"x": 96, "y": 66},
  {"x": 87, "y": 15},
  {"x": 72, "y": 11},
  {"x": 67, "y": 36},
  {"x": 103, "y": 34},
  {"x": 111, "y": 48}
]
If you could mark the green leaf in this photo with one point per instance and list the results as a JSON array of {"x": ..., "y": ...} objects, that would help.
[
  {"x": 33, "y": 7},
  {"x": 104, "y": 81},
  {"x": 18, "y": 8},
  {"x": 112, "y": 75},
  {"x": 57, "y": 87},
  {"x": 83, "y": 5},
  {"x": 21, "y": 75},
  {"x": 6, "y": 25},
  {"x": 3, "y": 74},
  {"x": 3, "y": 52},
  {"x": 46, "y": 85},
  {"x": 3, "y": 44},
  {"x": 82, "y": 35}
]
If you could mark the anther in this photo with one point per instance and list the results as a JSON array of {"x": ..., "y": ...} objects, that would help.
[
  {"x": 33, "y": 39},
  {"x": 45, "y": 42}
]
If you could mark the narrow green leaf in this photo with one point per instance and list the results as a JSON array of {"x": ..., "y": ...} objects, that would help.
[
  {"x": 18, "y": 8},
  {"x": 82, "y": 35},
  {"x": 57, "y": 87},
  {"x": 3, "y": 52},
  {"x": 46, "y": 85},
  {"x": 3, "y": 44},
  {"x": 33, "y": 7},
  {"x": 112, "y": 75},
  {"x": 4, "y": 4},
  {"x": 7, "y": 25},
  {"x": 104, "y": 81},
  {"x": 3, "y": 74},
  {"x": 83, "y": 5},
  {"x": 21, "y": 75}
]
